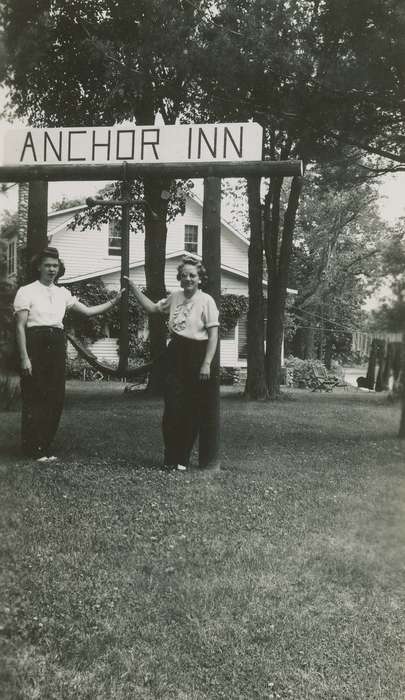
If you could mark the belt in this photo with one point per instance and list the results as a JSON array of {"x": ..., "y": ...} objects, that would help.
[
  {"x": 176, "y": 338},
  {"x": 45, "y": 329}
]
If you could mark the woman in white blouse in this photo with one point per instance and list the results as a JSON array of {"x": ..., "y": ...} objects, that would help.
[
  {"x": 39, "y": 309},
  {"x": 193, "y": 324}
]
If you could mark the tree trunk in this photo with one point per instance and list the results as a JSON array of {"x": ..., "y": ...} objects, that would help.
[
  {"x": 278, "y": 283},
  {"x": 380, "y": 364},
  {"x": 384, "y": 367},
  {"x": 401, "y": 382},
  {"x": 298, "y": 343},
  {"x": 328, "y": 350},
  {"x": 271, "y": 245},
  {"x": 255, "y": 387},
  {"x": 155, "y": 259},
  {"x": 309, "y": 346},
  {"x": 396, "y": 367},
  {"x": 372, "y": 360},
  {"x": 275, "y": 327},
  {"x": 37, "y": 223}
]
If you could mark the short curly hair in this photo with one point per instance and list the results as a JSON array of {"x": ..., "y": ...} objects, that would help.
[
  {"x": 190, "y": 260},
  {"x": 39, "y": 257}
]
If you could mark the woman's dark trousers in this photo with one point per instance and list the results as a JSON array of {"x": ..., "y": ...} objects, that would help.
[
  {"x": 43, "y": 392},
  {"x": 184, "y": 398}
]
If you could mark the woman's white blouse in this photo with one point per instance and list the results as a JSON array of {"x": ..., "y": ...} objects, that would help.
[
  {"x": 46, "y": 306},
  {"x": 190, "y": 317}
]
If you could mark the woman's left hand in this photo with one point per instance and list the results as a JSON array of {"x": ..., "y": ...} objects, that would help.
[
  {"x": 119, "y": 295},
  {"x": 205, "y": 372}
]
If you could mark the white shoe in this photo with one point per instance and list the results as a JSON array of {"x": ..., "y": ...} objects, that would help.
[
  {"x": 52, "y": 458},
  {"x": 43, "y": 459},
  {"x": 181, "y": 468}
]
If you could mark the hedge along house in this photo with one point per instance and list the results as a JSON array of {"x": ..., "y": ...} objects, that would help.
[{"x": 93, "y": 253}]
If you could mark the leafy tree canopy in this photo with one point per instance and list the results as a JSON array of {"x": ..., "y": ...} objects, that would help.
[
  {"x": 305, "y": 71},
  {"x": 99, "y": 61},
  {"x": 391, "y": 315},
  {"x": 338, "y": 257},
  {"x": 94, "y": 217}
]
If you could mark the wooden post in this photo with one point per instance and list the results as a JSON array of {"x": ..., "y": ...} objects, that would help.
[
  {"x": 37, "y": 223},
  {"x": 124, "y": 303},
  {"x": 211, "y": 253}
]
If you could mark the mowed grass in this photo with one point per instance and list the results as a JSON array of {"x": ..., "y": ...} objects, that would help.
[{"x": 281, "y": 576}]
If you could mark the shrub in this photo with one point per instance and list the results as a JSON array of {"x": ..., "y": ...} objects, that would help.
[
  {"x": 75, "y": 367},
  {"x": 301, "y": 370},
  {"x": 232, "y": 306},
  {"x": 8, "y": 349},
  {"x": 229, "y": 376}
]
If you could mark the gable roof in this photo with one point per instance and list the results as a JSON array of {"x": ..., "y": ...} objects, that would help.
[
  {"x": 69, "y": 210},
  {"x": 226, "y": 223},
  {"x": 72, "y": 211},
  {"x": 170, "y": 256},
  {"x": 140, "y": 263}
]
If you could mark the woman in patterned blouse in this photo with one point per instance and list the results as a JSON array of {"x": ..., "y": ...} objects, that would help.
[{"x": 193, "y": 325}]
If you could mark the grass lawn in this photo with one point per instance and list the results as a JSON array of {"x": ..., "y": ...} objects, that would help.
[{"x": 281, "y": 576}]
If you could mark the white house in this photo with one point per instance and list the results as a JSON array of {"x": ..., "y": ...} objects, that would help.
[{"x": 92, "y": 253}]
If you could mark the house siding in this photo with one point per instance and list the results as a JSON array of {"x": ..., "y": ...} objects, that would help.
[
  {"x": 229, "y": 352},
  {"x": 233, "y": 251},
  {"x": 105, "y": 350},
  {"x": 175, "y": 229},
  {"x": 57, "y": 218},
  {"x": 85, "y": 253}
]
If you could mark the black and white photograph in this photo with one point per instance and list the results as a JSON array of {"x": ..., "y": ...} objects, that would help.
[{"x": 202, "y": 349}]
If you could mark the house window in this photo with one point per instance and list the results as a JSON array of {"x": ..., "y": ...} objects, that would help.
[
  {"x": 114, "y": 238},
  {"x": 191, "y": 238},
  {"x": 12, "y": 258}
]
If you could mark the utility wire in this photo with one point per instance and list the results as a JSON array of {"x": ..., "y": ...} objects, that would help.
[
  {"x": 335, "y": 324},
  {"x": 5, "y": 189}
]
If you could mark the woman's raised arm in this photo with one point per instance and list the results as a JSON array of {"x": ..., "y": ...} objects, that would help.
[
  {"x": 149, "y": 306},
  {"x": 99, "y": 308}
]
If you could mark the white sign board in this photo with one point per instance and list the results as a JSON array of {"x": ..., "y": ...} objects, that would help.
[{"x": 185, "y": 143}]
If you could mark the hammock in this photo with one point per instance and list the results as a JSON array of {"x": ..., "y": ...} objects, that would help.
[{"x": 86, "y": 354}]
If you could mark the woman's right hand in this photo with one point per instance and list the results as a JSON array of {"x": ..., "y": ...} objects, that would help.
[
  {"x": 132, "y": 285},
  {"x": 26, "y": 366}
]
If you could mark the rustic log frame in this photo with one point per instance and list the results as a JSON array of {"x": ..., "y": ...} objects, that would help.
[{"x": 39, "y": 175}]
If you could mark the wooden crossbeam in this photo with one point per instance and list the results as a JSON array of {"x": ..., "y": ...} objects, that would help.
[{"x": 115, "y": 171}]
